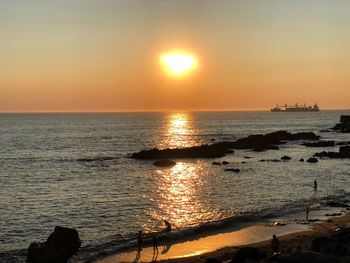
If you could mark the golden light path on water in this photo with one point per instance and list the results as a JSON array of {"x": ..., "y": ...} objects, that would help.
[
  {"x": 179, "y": 190},
  {"x": 178, "y": 130}
]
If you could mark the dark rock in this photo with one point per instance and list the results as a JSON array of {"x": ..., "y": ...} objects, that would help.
[
  {"x": 243, "y": 162},
  {"x": 333, "y": 214},
  {"x": 326, "y": 130},
  {"x": 334, "y": 245},
  {"x": 319, "y": 144},
  {"x": 261, "y": 142},
  {"x": 344, "y": 152},
  {"x": 216, "y": 163},
  {"x": 247, "y": 157},
  {"x": 301, "y": 160},
  {"x": 164, "y": 163},
  {"x": 301, "y": 256},
  {"x": 212, "y": 260},
  {"x": 225, "y": 162},
  {"x": 235, "y": 170},
  {"x": 312, "y": 160},
  {"x": 337, "y": 204},
  {"x": 58, "y": 248},
  {"x": 342, "y": 143},
  {"x": 286, "y": 158},
  {"x": 344, "y": 125},
  {"x": 248, "y": 254}
]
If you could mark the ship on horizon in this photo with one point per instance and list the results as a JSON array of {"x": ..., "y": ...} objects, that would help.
[{"x": 295, "y": 108}]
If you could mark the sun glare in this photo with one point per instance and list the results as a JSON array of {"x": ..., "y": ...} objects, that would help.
[{"x": 179, "y": 63}]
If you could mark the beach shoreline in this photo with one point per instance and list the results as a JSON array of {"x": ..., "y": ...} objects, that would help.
[{"x": 291, "y": 229}]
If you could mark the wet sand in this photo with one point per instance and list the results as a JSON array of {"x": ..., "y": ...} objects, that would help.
[{"x": 222, "y": 245}]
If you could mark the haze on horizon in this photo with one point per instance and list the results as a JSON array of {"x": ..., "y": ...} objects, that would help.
[{"x": 87, "y": 55}]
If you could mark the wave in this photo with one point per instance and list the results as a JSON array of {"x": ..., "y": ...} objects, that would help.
[{"x": 233, "y": 222}]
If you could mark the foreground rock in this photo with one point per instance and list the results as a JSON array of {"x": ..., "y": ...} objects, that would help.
[
  {"x": 254, "y": 142},
  {"x": 58, "y": 248},
  {"x": 301, "y": 256},
  {"x": 164, "y": 163},
  {"x": 344, "y": 152},
  {"x": 337, "y": 244},
  {"x": 248, "y": 254},
  {"x": 344, "y": 125}
]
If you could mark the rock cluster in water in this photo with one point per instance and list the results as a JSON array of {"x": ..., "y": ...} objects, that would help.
[
  {"x": 58, "y": 248},
  {"x": 257, "y": 142},
  {"x": 344, "y": 125},
  {"x": 344, "y": 152}
]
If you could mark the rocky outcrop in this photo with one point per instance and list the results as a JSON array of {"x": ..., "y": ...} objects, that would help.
[
  {"x": 319, "y": 144},
  {"x": 337, "y": 244},
  {"x": 164, "y": 163},
  {"x": 58, "y": 248},
  {"x": 301, "y": 256},
  {"x": 344, "y": 152},
  {"x": 344, "y": 125},
  {"x": 254, "y": 142}
]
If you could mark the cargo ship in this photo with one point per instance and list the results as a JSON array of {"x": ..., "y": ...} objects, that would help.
[{"x": 295, "y": 108}]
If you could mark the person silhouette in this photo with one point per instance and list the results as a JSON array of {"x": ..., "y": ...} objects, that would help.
[
  {"x": 155, "y": 244},
  {"x": 139, "y": 240},
  {"x": 307, "y": 210},
  {"x": 167, "y": 226},
  {"x": 275, "y": 244}
]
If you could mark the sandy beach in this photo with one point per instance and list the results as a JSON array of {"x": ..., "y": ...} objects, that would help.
[{"x": 223, "y": 244}]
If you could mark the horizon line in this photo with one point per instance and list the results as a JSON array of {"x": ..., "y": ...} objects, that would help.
[{"x": 154, "y": 111}]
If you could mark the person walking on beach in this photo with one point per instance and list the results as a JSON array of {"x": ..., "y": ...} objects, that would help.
[
  {"x": 139, "y": 240},
  {"x": 275, "y": 244},
  {"x": 315, "y": 185},
  {"x": 155, "y": 245},
  {"x": 307, "y": 210}
]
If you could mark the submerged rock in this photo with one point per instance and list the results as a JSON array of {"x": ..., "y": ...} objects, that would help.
[
  {"x": 235, "y": 170},
  {"x": 319, "y": 144},
  {"x": 301, "y": 160},
  {"x": 62, "y": 244},
  {"x": 164, "y": 163},
  {"x": 312, "y": 160},
  {"x": 286, "y": 158}
]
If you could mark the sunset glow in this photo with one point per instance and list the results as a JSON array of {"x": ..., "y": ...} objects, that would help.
[{"x": 179, "y": 62}]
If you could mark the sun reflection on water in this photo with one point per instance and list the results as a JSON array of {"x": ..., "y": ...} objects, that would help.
[{"x": 178, "y": 131}]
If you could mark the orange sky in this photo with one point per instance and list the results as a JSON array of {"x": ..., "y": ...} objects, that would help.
[{"x": 104, "y": 55}]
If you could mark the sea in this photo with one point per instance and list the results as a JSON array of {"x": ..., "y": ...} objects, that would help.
[{"x": 75, "y": 170}]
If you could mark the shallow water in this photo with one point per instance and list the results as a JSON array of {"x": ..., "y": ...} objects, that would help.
[{"x": 74, "y": 170}]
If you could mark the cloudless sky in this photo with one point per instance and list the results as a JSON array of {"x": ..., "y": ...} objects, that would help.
[{"x": 89, "y": 55}]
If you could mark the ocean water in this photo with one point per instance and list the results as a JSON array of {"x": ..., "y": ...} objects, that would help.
[{"x": 74, "y": 170}]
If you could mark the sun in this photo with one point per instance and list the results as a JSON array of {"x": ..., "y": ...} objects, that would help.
[{"x": 179, "y": 63}]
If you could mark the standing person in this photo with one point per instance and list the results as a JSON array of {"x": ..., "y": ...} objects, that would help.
[
  {"x": 307, "y": 210},
  {"x": 167, "y": 226},
  {"x": 315, "y": 185},
  {"x": 155, "y": 244},
  {"x": 275, "y": 244},
  {"x": 139, "y": 240}
]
